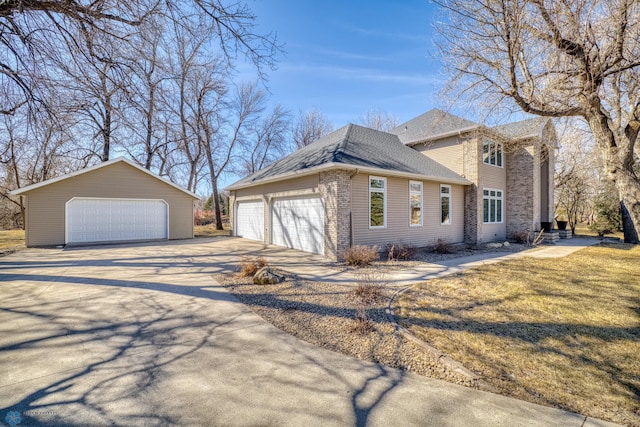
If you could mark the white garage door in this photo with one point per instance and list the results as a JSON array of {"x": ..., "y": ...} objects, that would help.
[
  {"x": 250, "y": 220},
  {"x": 106, "y": 220},
  {"x": 299, "y": 224}
]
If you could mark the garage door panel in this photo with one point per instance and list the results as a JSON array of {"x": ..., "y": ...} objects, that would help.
[
  {"x": 250, "y": 220},
  {"x": 104, "y": 220},
  {"x": 299, "y": 224}
]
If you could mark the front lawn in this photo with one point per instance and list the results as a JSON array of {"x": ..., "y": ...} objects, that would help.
[
  {"x": 11, "y": 240},
  {"x": 210, "y": 231},
  {"x": 561, "y": 332}
]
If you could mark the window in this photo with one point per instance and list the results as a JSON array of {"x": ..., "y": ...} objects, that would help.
[
  {"x": 492, "y": 153},
  {"x": 492, "y": 206},
  {"x": 377, "y": 202},
  {"x": 415, "y": 203},
  {"x": 445, "y": 204}
]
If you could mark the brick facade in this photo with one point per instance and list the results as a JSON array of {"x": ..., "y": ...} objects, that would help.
[
  {"x": 472, "y": 203},
  {"x": 335, "y": 188},
  {"x": 521, "y": 200}
]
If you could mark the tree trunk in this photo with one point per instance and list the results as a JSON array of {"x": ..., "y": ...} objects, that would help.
[
  {"x": 214, "y": 188},
  {"x": 618, "y": 162},
  {"x": 629, "y": 190}
]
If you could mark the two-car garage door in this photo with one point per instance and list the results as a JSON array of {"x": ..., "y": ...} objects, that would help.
[
  {"x": 299, "y": 224},
  {"x": 296, "y": 223},
  {"x": 107, "y": 220}
]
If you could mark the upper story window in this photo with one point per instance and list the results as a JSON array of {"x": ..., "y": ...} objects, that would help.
[
  {"x": 445, "y": 204},
  {"x": 415, "y": 203},
  {"x": 492, "y": 206},
  {"x": 377, "y": 202},
  {"x": 492, "y": 153}
]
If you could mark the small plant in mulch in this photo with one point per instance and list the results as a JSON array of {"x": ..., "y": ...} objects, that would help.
[
  {"x": 401, "y": 251},
  {"x": 443, "y": 247},
  {"x": 367, "y": 292},
  {"x": 361, "y": 255},
  {"x": 249, "y": 266}
]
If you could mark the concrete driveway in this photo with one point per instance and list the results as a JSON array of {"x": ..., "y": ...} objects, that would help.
[{"x": 141, "y": 334}]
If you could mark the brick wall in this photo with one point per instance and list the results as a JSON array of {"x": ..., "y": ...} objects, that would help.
[
  {"x": 335, "y": 188},
  {"x": 520, "y": 198},
  {"x": 472, "y": 205}
]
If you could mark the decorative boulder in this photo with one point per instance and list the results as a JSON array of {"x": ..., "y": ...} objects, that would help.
[
  {"x": 506, "y": 244},
  {"x": 266, "y": 276},
  {"x": 494, "y": 245}
]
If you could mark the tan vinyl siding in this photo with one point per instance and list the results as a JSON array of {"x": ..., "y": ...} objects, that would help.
[
  {"x": 398, "y": 229},
  {"x": 46, "y": 205},
  {"x": 309, "y": 182},
  {"x": 448, "y": 152}
]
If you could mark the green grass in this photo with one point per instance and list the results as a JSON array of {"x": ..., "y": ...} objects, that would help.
[
  {"x": 11, "y": 240},
  {"x": 561, "y": 332}
]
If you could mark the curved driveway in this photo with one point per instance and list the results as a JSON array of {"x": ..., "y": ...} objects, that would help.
[{"x": 141, "y": 334}]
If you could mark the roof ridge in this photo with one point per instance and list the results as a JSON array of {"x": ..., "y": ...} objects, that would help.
[{"x": 343, "y": 143}]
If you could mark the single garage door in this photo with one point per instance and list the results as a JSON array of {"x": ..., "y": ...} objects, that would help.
[
  {"x": 299, "y": 224},
  {"x": 106, "y": 220},
  {"x": 250, "y": 220}
]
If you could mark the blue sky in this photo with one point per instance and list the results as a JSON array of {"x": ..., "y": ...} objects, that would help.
[{"x": 348, "y": 57}]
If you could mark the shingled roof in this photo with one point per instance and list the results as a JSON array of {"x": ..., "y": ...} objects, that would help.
[
  {"x": 354, "y": 147},
  {"x": 431, "y": 125},
  {"x": 529, "y": 128}
]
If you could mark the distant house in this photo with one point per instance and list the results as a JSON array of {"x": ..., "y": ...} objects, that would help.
[
  {"x": 112, "y": 201},
  {"x": 437, "y": 176}
]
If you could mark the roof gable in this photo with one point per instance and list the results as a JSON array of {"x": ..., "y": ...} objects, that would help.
[
  {"x": 433, "y": 124},
  {"x": 529, "y": 128},
  {"x": 354, "y": 147},
  {"x": 29, "y": 188}
]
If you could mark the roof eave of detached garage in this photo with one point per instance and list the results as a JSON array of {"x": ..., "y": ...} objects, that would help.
[
  {"x": 344, "y": 166},
  {"x": 27, "y": 189}
]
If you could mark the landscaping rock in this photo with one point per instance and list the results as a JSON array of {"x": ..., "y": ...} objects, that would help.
[
  {"x": 494, "y": 245},
  {"x": 266, "y": 276},
  {"x": 506, "y": 244}
]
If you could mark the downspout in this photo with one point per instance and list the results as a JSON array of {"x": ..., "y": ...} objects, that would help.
[{"x": 352, "y": 234}]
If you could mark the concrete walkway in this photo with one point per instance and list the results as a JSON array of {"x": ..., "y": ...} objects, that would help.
[
  {"x": 313, "y": 267},
  {"x": 142, "y": 335}
]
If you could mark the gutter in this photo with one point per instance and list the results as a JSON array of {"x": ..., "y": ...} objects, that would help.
[{"x": 356, "y": 169}]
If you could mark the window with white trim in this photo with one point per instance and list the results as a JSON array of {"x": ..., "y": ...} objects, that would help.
[
  {"x": 377, "y": 202},
  {"x": 415, "y": 203},
  {"x": 492, "y": 203},
  {"x": 445, "y": 204},
  {"x": 492, "y": 153}
]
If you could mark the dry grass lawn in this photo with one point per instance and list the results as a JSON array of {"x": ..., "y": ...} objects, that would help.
[
  {"x": 210, "y": 231},
  {"x": 564, "y": 333},
  {"x": 11, "y": 240}
]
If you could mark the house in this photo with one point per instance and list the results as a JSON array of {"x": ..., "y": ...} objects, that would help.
[
  {"x": 112, "y": 201},
  {"x": 437, "y": 176}
]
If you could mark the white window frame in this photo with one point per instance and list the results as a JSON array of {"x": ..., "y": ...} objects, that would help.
[
  {"x": 416, "y": 193},
  {"x": 448, "y": 196},
  {"x": 384, "y": 200},
  {"x": 498, "y": 196},
  {"x": 493, "y": 153}
]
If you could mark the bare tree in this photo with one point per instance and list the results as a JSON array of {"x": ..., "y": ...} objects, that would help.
[
  {"x": 267, "y": 141},
  {"x": 309, "y": 127},
  {"x": 577, "y": 174},
  {"x": 379, "y": 120},
  {"x": 576, "y": 58},
  {"x": 32, "y": 30}
]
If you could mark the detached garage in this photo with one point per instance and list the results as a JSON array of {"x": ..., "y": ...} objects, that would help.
[{"x": 114, "y": 201}]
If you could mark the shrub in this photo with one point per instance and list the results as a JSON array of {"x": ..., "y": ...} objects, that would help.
[
  {"x": 401, "y": 251},
  {"x": 360, "y": 255},
  {"x": 249, "y": 267},
  {"x": 521, "y": 237},
  {"x": 443, "y": 247},
  {"x": 367, "y": 292}
]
